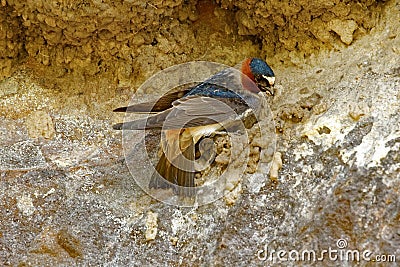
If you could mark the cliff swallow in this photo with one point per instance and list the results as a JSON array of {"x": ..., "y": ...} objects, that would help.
[{"x": 189, "y": 114}]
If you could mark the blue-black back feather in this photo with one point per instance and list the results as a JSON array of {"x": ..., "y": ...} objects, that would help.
[{"x": 212, "y": 90}]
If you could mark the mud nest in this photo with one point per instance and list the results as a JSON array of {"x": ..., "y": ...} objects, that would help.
[{"x": 132, "y": 39}]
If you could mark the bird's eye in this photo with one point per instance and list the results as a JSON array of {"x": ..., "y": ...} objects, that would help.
[{"x": 265, "y": 83}]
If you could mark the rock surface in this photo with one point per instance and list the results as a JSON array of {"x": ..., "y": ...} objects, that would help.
[{"x": 67, "y": 197}]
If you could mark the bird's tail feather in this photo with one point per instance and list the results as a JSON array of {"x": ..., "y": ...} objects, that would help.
[
  {"x": 131, "y": 125},
  {"x": 168, "y": 174}
]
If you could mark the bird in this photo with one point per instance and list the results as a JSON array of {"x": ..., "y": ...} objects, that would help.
[{"x": 189, "y": 114}]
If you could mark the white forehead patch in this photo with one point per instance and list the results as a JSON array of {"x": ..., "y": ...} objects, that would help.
[{"x": 271, "y": 80}]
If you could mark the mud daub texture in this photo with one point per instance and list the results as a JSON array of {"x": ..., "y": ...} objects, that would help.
[
  {"x": 11, "y": 39},
  {"x": 124, "y": 36},
  {"x": 87, "y": 34},
  {"x": 314, "y": 24}
]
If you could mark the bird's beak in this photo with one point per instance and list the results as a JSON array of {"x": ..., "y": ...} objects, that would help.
[
  {"x": 270, "y": 91},
  {"x": 271, "y": 82}
]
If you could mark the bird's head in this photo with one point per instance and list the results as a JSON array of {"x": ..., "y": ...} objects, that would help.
[{"x": 260, "y": 73}]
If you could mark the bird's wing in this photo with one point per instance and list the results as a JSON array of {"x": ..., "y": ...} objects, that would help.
[
  {"x": 188, "y": 112},
  {"x": 229, "y": 82},
  {"x": 161, "y": 104}
]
